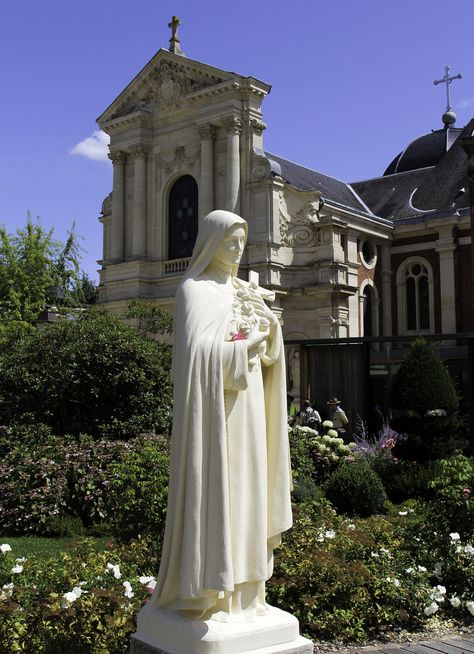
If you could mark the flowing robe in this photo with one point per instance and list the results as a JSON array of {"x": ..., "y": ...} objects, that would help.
[{"x": 230, "y": 478}]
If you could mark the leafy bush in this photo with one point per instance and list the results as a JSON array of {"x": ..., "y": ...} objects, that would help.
[
  {"x": 405, "y": 480},
  {"x": 355, "y": 489},
  {"x": 82, "y": 602},
  {"x": 304, "y": 486},
  {"x": 93, "y": 375},
  {"x": 139, "y": 490},
  {"x": 425, "y": 395},
  {"x": 63, "y": 485},
  {"x": 452, "y": 484},
  {"x": 353, "y": 579}
]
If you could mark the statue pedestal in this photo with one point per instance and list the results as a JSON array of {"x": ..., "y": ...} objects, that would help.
[{"x": 165, "y": 632}]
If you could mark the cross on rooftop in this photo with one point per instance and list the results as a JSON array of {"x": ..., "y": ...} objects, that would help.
[
  {"x": 447, "y": 79},
  {"x": 174, "y": 41}
]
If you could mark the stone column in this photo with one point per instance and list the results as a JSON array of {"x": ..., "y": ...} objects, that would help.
[
  {"x": 206, "y": 191},
  {"x": 139, "y": 203},
  {"x": 118, "y": 208},
  {"x": 386, "y": 290},
  {"x": 445, "y": 249},
  {"x": 233, "y": 127}
]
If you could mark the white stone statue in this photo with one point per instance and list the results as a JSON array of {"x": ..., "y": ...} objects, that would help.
[{"x": 230, "y": 477}]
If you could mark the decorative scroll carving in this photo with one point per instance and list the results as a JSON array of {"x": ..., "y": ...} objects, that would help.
[
  {"x": 301, "y": 228},
  {"x": 140, "y": 150},
  {"x": 258, "y": 125},
  {"x": 181, "y": 161}
]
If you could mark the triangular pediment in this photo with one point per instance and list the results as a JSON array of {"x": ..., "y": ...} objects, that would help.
[{"x": 163, "y": 84}]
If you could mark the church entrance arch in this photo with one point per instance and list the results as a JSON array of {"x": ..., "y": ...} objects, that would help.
[{"x": 182, "y": 217}]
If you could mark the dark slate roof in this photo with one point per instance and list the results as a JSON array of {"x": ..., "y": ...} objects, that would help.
[
  {"x": 332, "y": 189},
  {"x": 424, "y": 192},
  {"x": 424, "y": 151},
  {"x": 448, "y": 185},
  {"x": 390, "y": 197}
]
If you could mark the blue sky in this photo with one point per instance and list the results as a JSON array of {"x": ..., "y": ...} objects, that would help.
[{"x": 352, "y": 84}]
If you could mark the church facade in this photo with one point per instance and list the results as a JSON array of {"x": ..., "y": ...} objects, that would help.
[{"x": 390, "y": 256}]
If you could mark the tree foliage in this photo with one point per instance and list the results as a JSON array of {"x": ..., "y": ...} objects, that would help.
[
  {"x": 91, "y": 375},
  {"x": 37, "y": 270}
]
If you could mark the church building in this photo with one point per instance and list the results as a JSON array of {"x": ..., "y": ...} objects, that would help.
[{"x": 389, "y": 256}]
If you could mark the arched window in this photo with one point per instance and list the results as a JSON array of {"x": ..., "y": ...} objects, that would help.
[
  {"x": 182, "y": 217},
  {"x": 415, "y": 304},
  {"x": 369, "y": 309}
]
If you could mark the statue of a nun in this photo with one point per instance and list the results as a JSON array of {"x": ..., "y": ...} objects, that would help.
[{"x": 230, "y": 478}]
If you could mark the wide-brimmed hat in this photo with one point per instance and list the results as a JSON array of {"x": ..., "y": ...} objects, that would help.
[{"x": 333, "y": 400}]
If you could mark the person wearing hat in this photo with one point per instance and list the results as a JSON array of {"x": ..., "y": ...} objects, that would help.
[{"x": 337, "y": 415}]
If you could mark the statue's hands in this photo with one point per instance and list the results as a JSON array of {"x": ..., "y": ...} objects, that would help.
[
  {"x": 263, "y": 311},
  {"x": 257, "y": 336}
]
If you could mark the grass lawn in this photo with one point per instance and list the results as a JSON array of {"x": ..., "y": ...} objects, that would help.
[{"x": 45, "y": 548}]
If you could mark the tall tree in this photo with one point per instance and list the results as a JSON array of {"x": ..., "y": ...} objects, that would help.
[{"x": 37, "y": 270}]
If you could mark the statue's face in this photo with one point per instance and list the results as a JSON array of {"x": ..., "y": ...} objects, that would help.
[{"x": 231, "y": 248}]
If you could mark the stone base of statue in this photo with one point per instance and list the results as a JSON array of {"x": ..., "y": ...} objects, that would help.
[{"x": 165, "y": 632}]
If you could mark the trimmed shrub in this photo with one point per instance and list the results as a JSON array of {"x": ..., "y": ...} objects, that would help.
[
  {"x": 93, "y": 375},
  {"x": 427, "y": 402},
  {"x": 356, "y": 489}
]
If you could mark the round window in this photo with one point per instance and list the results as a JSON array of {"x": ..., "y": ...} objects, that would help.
[{"x": 368, "y": 254}]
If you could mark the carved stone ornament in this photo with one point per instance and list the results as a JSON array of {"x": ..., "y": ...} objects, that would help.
[
  {"x": 258, "y": 125},
  {"x": 207, "y": 132},
  {"x": 181, "y": 161},
  {"x": 119, "y": 157},
  {"x": 300, "y": 230},
  {"x": 233, "y": 125},
  {"x": 171, "y": 82}
]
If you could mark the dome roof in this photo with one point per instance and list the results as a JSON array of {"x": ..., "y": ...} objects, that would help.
[{"x": 424, "y": 151}]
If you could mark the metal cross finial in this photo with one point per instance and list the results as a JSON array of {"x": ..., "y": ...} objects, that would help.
[
  {"x": 174, "y": 41},
  {"x": 447, "y": 80}
]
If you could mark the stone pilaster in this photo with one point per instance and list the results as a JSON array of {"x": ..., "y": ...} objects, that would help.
[
  {"x": 206, "y": 195},
  {"x": 386, "y": 291},
  {"x": 233, "y": 128},
  {"x": 445, "y": 249},
  {"x": 118, "y": 206},
  {"x": 468, "y": 145},
  {"x": 140, "y": 154}
]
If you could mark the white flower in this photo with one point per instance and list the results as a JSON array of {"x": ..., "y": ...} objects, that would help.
[
  {"x": 375, "y": 555},
  {"x": 459, "y": 549},
  {"x": 145, "y": 580},
  {"x": 396, "y": 582},
  {"x": 454, "y": 536},
  {"x": 115, "y": 569},
  {"x": 77, "y": 591},
  {"x": 469, "y": 549},
  {"x": 5, "y": 548},
  {"x": 421, "y": 568},
  {"x": 455, "y": 601},
  {"x": 431, "y": 609},
  {"x": 7, "y": 591},
  {"x": 438, "y": 593},
  {"x": 151, "y": 585},
  {"x": 128, "y": 589},
  {"x": 351, "y": 526},
  {"x": 22, "y": 560},
  {"x": 17, "y": 569},
  {"x": 68, "y": 599},
  {"x": 470, "y": 607},
  {"x": 330, "y": 533},
  {"x": 403, "y": 513},
  {"x": 410, "y": 570}
]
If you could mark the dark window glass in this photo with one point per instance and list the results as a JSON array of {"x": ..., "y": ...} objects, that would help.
[
  {"x": 424, "y": 300},
  {"x": 182, "y": 217},
  {"x": 411, "y": 304},
  {"x": 368, "y": 312}
]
